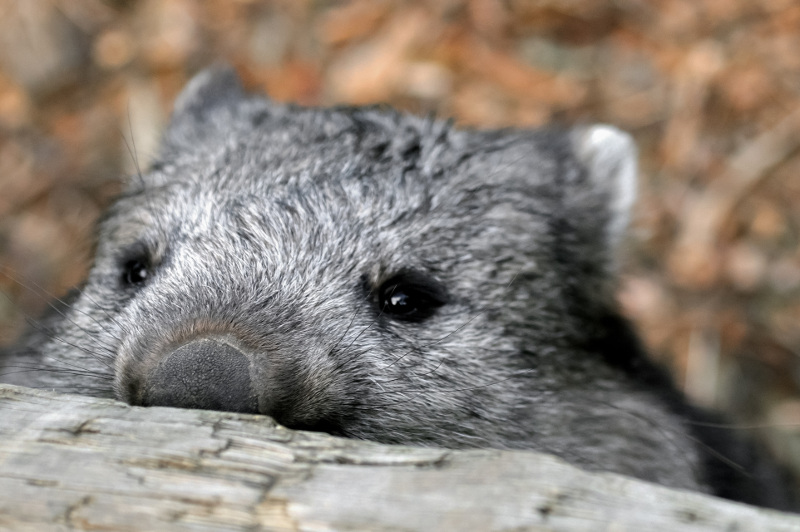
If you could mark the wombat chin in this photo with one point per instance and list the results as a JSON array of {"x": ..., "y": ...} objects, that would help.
[{"x": 381, "y": 276}]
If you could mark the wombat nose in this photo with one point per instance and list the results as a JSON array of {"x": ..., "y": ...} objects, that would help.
[{"x": 206, "y": 374}]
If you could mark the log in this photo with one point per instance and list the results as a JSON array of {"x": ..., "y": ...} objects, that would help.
[{"x": 78, "y": 463}]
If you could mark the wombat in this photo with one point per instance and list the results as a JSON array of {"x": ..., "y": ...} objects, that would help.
[{"x": 381, "y": 276}]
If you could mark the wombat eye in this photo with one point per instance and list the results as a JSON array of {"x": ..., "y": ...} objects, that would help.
[
  {"x": 135, "y": 272},
  {"x": 410, "y": 297}
]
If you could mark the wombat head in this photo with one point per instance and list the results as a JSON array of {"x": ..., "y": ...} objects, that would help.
[{"x": 378, "y": 276}]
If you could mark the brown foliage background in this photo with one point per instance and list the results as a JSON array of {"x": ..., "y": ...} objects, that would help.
[{"x": 710, "y": 89}]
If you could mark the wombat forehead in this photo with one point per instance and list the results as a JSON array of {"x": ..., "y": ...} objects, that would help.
[
  {"x": 387, "y": 222},
  {"x": 204, "y": 193},
  {"x": 265, "y": 214}
]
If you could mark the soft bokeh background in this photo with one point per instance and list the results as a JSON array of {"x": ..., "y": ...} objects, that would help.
[{"x": 709, "y": 88}]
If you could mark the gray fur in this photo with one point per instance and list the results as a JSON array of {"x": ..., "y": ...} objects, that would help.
[{"x": 270, "y": 229}]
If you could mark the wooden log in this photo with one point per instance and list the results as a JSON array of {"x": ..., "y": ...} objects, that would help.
[{"x": 78, "y": 463}]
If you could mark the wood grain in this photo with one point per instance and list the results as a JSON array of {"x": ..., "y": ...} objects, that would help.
[{"x": 76, "y": 463}]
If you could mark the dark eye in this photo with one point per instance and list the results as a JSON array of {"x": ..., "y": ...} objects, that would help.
[
  {"x": 410, "y": 297},
  {"x": 135, "y": 272}
]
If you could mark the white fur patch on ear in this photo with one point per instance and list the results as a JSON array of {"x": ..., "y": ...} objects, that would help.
[{"x": 609, "y": 156}]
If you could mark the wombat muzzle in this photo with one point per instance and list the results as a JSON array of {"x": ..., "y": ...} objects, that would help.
[{"x": 205, "y": 374}]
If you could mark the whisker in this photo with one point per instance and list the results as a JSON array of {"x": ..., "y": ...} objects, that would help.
[{"x": 58, "y": 310}]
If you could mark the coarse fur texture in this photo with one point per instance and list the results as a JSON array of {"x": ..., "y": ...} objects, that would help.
[{"x": 380, "y": 276}]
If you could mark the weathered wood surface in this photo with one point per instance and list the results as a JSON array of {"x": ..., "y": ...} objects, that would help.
[{"x": 77, "y": 463}]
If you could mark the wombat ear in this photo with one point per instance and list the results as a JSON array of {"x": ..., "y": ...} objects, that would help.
[
  {"x": 211, "y": 88},
  {"x": 609, "y": 157},
  {"x": 208, "y": 101}
]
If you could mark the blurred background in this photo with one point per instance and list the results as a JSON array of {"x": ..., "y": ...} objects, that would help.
[{"x": 710, "y": 89}]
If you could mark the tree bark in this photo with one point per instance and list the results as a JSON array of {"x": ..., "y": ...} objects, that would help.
[{"x": 77, "y": 463}]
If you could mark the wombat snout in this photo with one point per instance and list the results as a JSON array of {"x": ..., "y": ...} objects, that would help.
[{"x": 203, "y": 373}]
